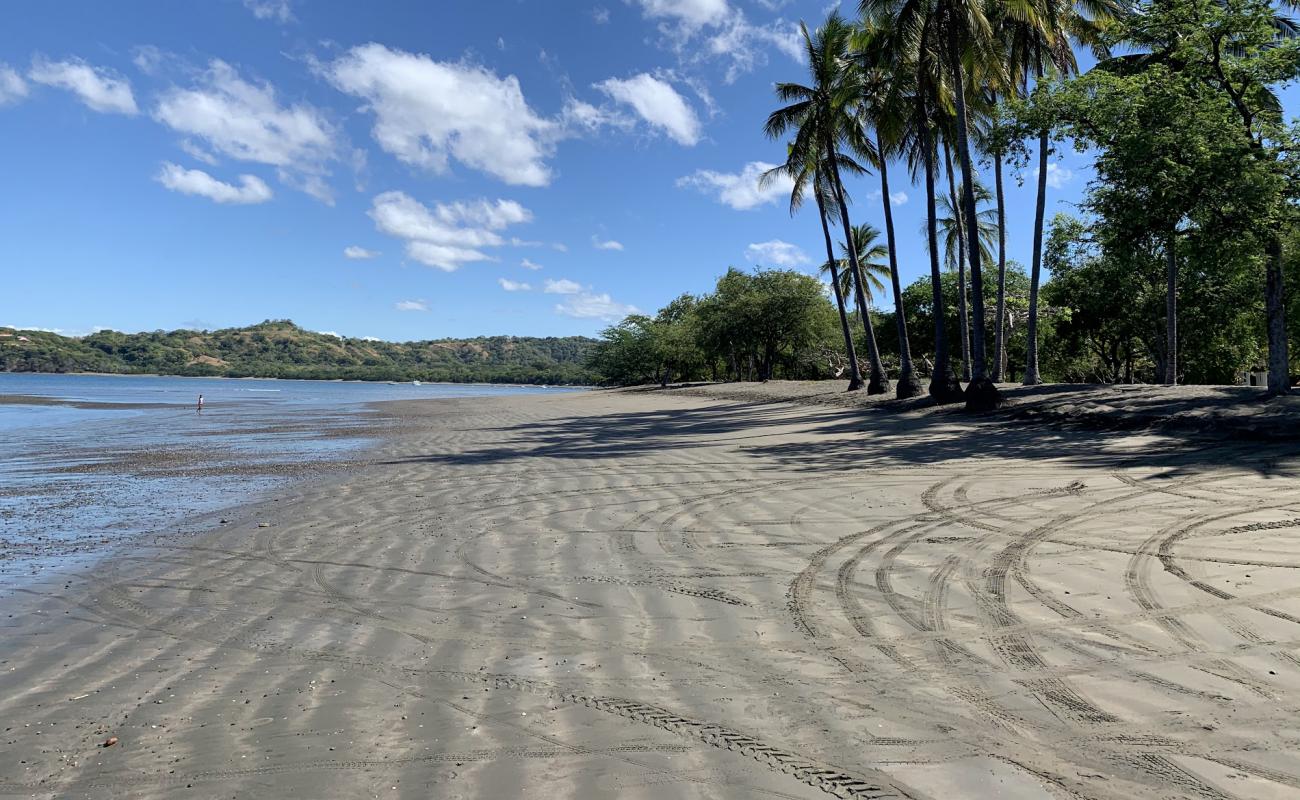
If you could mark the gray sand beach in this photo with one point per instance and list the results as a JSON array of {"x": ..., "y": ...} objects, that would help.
[{"x": 662, "y": 594}]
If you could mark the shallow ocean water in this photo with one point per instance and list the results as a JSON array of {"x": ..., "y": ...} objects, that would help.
[{"x": 88, "y": 461}]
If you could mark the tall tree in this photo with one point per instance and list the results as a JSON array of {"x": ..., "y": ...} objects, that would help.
[
  {"x": 885, "y": 109},
  {"x": 824, "y": 113},
  {"x": 809, "y": 175}
]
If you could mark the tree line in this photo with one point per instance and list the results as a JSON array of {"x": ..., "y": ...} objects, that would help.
[
  {"x": 1173, "y": 270},
  {"x": 281, "y": 349}
]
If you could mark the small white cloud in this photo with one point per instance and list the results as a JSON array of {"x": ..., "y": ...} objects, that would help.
[
  {"x": 658, "y": 103},
  {"x": 776, "y": 253},
  {"x": 98, "y": 88},
  {"x": 428, "y": 112},
  {"x": 1057, "y": 175},
  {"x": 529, "y": 264},
  {"x": 514, "y": 286},
  {"x": 586, "y": 305},
  {"x": 501, "y": 43},
  {"x": 449, "y": 234},
  {"x": 278, "y": 10},
  {"x": 335, "y": 334},
  {"x": 251, "y": 189},
  {"x": 741, "y": 190},
  {"x": 356, "y": 253},
  {"x": 562, "y": 286},
  {"x": 896, "y": 198},
  {"x": 560, "y": 247},
  {"x": 197, "y": 153},
  {"x": 690, "y": 13},
  {"x": 605, "y": 244},
  {"x": 600, "y": 14},
  {"x": 12, "y": 86},
  {"x": 411, "y": 305}
]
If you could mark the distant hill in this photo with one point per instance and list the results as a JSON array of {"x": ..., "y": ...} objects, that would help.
[{"x": 281, "y": 349}]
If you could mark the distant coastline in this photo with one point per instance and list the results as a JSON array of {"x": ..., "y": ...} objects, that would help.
[{"x": 279, "y": 349}]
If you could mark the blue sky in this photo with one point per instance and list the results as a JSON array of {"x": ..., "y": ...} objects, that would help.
[{"x": 403, "y": 170}]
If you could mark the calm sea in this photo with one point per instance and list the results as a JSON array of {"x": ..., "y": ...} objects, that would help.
[{"x": 87, "y": 461}]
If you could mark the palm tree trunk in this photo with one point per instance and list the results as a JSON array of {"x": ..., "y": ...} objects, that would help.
[
  {"x": 855, "y": 376},
  {"x": 907, "y": 385},
  {"x": 1171, "y": 311},
  {"x": 963, "y": 316},
  {"x": 1000, "y": 313},
  {"x": 943, "y": 388},
  {"x": 877, "y": 383},
  {"x": 985, "y": 395},
  {"x": 1035, "y": 274},
  {"x": 1279, "y": 379}
]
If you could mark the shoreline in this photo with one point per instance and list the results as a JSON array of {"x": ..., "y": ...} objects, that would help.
[
  {"x": 631, "y": 593},
  {"x": 303, "y": 380}
]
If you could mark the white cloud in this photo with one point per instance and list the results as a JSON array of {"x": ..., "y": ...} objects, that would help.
[
  {"x": 278, "y": 10},
  {"x": 514, "y": 286},
  {"x": 493, "y": 216},
  {"x": 245, "y": 121},
  {"x": 411, "y": 305},
  {"x": 1057, "y": 175},
  {"x": 251, "y": 189},
  {"x": 562, "y": 286},
  {"x": 600, "y": 14},
  {"x": 12, "y": 86},
  {"x": 428, "y": 112},
  {"x": 335, "y": 334},
  {"x": 698, "y": 30},
  {"x": 658, "y": 103},
  {"x": 740, "y": 190},
  {"x": 776, "y": 253},
  {"x": 197, "y": 153},
  {"x": 896, "y": 198},
  {"x": 605, "y": 244},
  {"x": 586, "y": 305},
  {"x": 528, "y": 264},
  {"x": 560, "y": 247},
  {"x": 448, "y": 235},
  {"x": 690, "y": 13},
  {"x": 356, "y": 253},
  {"x": 100, "y": 89}
]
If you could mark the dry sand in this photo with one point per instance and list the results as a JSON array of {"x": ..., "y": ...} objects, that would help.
[{"x": 657, "y": 595}]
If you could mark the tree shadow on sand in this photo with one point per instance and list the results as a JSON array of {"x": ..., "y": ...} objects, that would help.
[{"x": 844, "y": 439}]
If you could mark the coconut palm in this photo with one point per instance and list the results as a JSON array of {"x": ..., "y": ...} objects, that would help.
[
  {"x": 952, "y": 233},
  {"x": 885, "y": 110},
  {"x": 1044, "y": 49},
  {"x": 809, "y": 176},
  {"x": 963, "y": 33},
  {"x": 821, "y": 116},
  {"x": 871, "y": 257}
]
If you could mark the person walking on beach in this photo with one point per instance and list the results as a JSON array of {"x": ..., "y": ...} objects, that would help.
[{"x": 200, "y": 409}]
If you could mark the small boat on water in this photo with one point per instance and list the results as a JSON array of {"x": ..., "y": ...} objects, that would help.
[{"x": 415, "y": 383}]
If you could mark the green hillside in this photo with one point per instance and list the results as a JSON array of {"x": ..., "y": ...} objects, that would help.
[{"x": 281, "y": 349}]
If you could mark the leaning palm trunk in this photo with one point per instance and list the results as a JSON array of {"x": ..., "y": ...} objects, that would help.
[
  {"x": 877, "y": 383},
  {"x": 963, "y": 315},
  {"x": 982, "y": 394},
  {"x": 1279, "y": 379},
  {"x": 943, "y": 387},
  {"x": 1000, "y": 313},
  {"x": 907, "y": 385},
  {"x": 1171, "y": 311},
  {"x": 855, "y": 375},
  {"x": 1035, "y": 274}
]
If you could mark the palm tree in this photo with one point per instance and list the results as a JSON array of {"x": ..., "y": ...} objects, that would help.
[
  {"x": 870, "y": 255},
  {"x": 952, "y": 232},
  {"x": 959, "y": 227},
  {"x": 885, "y": 110},
  {"x": 822, "y": 117},
  {"x": 959, "y": 28},
  {"x": 1044, "y": 48},
  {"x": 810, "y": 175}
]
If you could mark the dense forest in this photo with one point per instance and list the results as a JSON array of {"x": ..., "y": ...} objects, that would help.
[{"x": 281, "y": 349}]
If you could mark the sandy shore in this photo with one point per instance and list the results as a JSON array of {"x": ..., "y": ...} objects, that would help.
[{"x": 647, "y": 595}]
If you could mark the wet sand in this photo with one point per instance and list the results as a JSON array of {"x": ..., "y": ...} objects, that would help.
[{"x": 646, "y": 595}]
